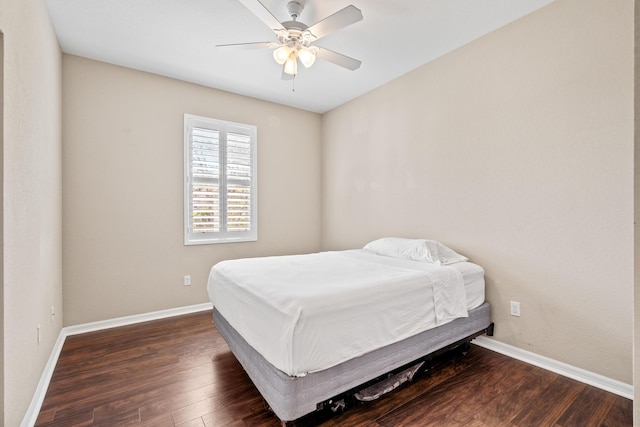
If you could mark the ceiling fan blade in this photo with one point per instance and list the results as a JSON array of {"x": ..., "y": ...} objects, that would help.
[
  {"x": 251, "y": 45},
  {"x": 338, "y": 59},
  {"x": 342, "y": 18},
  {"x": 257, "y": 8}
]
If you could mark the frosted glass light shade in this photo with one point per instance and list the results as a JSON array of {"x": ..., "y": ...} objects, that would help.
[
  {"x": 291, "y": 65},
  {"x": 307, "y": 57},
  {"x": 281, "y": 54}
]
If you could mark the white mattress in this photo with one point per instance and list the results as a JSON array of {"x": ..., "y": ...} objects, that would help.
[{"x": 330, "y": 307}]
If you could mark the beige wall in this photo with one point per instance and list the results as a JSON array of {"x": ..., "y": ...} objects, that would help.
[
  {"x": 31, "y": 199},
  {"x": 516, "y": 150},
  {"x": 123, "y": 188}
]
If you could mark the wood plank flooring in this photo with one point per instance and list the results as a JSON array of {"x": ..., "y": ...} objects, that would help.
[{"x": 180, "y": 372}]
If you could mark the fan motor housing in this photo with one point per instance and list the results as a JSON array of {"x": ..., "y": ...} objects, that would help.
[{"x": 295, "y": 26}]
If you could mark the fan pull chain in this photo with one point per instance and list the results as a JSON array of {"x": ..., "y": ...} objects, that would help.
[{"x": 293, "y": 83}]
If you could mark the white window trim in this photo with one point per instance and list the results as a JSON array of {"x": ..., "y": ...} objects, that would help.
[{"x": 195, "y": 238}]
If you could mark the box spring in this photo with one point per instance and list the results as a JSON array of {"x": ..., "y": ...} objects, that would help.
[{"x": 293, "y": 397}]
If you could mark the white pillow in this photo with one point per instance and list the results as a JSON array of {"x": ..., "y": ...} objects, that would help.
[
  {"x": 412, "y": 249},
  {"x": 442, "y": 253},
  {"x": 415, "y": 249}
]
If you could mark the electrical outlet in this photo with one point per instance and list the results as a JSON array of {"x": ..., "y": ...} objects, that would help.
[
  {"x": 187, "y": 280},
  {"x": 515, "y": 308}
]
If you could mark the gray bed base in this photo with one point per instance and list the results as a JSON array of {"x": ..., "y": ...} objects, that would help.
[{"x": 291, "y": 398}]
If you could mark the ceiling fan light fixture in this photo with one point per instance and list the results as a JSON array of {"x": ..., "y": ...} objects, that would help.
[
  {"x": 281, "y": 54},
  {"x": 294, "y": 39},
  {"x": 307, "y": 56}
]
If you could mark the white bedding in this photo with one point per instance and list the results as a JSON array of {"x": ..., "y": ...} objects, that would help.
[
  {"x": 306, "y": 313},
  {"x": 473, "y": 276}
]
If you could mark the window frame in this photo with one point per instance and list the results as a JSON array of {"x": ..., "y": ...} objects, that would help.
[{"x": 223, "y": 235}]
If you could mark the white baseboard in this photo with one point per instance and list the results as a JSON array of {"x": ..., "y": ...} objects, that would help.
[
  {"x": 136, "y": 318},
  {"x": 587, "y": 377},
  {"x": 31, "y": 416}
]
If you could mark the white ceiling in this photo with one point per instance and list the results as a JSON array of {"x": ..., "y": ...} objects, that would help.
[{"x": 177, "y": 38}]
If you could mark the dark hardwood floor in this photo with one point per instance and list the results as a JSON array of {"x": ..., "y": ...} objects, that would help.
[{"x": 180, "y": 372}]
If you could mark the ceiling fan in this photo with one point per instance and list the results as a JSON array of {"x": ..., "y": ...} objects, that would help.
[{"x": 295, "y": 39}]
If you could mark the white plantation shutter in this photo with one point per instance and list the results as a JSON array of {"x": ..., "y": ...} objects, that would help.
[
  {"x": 220, "y": 181},
  {"x": 239, "y": 176},
  {"x": 205, "y": 180}
]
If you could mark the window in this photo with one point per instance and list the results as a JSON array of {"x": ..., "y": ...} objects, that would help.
[{"x": 220, "y": 181}]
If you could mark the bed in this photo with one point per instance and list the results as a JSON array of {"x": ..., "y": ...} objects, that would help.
[{"x": 311, "y": 329}]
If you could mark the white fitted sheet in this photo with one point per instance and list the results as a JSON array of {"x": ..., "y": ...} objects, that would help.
[
  {"x": 473, "y": 276},
  {"x": 329, "y": 307}
]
